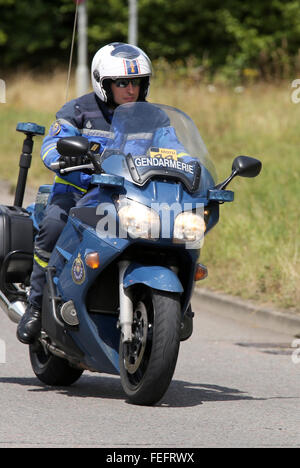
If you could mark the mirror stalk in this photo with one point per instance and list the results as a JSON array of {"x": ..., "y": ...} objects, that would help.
[{"x": 224, "y": 184}]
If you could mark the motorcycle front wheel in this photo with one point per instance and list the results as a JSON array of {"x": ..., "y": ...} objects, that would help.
[{"x": 147, "y": 363}]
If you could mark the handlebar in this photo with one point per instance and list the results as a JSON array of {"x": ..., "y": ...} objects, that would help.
[
  {"x": 90, "y": 159},
  {"x": 60, "y": 166}
]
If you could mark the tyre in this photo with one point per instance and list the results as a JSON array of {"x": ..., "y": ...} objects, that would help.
[
  {"x": 52, "y": 370},
  {"x": 147, "y": 364}
]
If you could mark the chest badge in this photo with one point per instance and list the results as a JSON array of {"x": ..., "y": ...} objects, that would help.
[{"x": 78, "y": 271}]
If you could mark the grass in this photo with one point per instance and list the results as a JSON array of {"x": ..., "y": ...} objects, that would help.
[{"x": 253, "y": 252}]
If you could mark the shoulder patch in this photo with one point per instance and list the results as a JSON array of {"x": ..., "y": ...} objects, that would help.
[{"x": 55, "y": 129}]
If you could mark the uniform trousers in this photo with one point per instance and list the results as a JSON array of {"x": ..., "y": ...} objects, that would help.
[{"x": 54, "y": 221}]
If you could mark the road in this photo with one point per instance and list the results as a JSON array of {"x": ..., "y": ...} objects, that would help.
[{"x": 234, "y": 386}]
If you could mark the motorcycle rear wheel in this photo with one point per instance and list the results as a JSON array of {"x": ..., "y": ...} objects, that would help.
[
  {"x": 50, "y": 369},
  {"x": 147, "y": 364}
]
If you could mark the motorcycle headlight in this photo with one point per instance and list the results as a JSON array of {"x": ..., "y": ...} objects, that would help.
[
  {"x": 138, "y": 220},
  {"x": 189, "y": 228}
]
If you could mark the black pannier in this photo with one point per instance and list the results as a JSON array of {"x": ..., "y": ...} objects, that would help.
[{"x": 16, "y": 244}]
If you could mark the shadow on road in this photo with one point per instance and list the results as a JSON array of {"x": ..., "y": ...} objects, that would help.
[
  {"x": 180, "y": 393},
  {"x": 88, "y": 386},
  {"x": 184, "y": 394}
]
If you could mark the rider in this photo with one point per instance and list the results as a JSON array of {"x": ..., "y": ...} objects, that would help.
[{"x": 120, "y": 74}]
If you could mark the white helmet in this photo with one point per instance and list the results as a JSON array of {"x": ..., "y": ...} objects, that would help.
[{"x": 119, "y": 60}]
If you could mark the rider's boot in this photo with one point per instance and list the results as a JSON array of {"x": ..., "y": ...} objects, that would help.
[{"x": 29, "y": 326}]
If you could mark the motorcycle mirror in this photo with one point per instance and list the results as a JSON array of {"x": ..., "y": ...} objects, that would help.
[
  {"x": 246, "y": 167},
  {"x": 73, "y": 146},
  {"x": 243, "y": 166}
]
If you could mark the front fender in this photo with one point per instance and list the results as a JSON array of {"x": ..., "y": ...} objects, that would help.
[{"x": 156, "y": 277}]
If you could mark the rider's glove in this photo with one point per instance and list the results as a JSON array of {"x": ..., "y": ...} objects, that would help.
[{"x": 70, "y": 161}]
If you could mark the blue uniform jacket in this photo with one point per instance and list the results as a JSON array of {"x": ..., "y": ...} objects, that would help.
[{"x": 85, "y": 116}]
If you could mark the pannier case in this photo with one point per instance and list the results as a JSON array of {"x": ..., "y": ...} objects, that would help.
[{"x": 16, "y": 244}]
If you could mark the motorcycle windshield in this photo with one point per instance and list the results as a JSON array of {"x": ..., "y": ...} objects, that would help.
[{"x": 153, "y": 140}]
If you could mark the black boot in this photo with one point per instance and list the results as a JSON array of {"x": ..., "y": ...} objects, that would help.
[{"x": 29, "y": 326}]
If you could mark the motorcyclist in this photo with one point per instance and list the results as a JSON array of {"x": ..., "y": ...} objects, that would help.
[{"x": 120, "y": 74}]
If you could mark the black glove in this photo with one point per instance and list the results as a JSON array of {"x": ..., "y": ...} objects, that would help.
[{"x": 70, "y": 161}]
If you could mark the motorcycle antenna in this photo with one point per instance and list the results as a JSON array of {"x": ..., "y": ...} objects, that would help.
[{"x": 72, "y": 48}]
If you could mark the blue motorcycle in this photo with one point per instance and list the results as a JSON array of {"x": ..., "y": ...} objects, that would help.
[{"x": 121, "y": 276}]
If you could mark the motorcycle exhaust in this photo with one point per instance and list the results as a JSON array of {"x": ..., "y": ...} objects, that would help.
[{"x": 14, "y": 310}]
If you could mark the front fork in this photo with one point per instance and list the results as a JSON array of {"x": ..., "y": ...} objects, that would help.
[
  {"x": 153, "y": 276},
  {"x": 126, "y": 306}
]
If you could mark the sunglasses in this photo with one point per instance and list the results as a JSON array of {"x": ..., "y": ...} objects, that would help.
[{"x": 124, "y": 82}]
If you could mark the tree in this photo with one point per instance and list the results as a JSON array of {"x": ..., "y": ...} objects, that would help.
[{"x": 229, "y": 33}]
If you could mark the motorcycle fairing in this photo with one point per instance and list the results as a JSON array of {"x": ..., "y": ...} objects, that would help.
[{"x": 100, "y": 349}]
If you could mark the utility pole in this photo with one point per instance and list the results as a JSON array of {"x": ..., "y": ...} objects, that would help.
[
  {"x": 133, "y": 22},
  {"x": 82, "y": 71}
]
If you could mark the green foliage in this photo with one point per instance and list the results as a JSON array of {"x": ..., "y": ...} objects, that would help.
[{"x": 230, "y": 35}]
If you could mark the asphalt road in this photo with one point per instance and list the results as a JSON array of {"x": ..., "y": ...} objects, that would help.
[{"x": 234, "y": 386}]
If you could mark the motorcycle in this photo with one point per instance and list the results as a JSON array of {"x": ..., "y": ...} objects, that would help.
[{"x": 120, "y": 279}]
